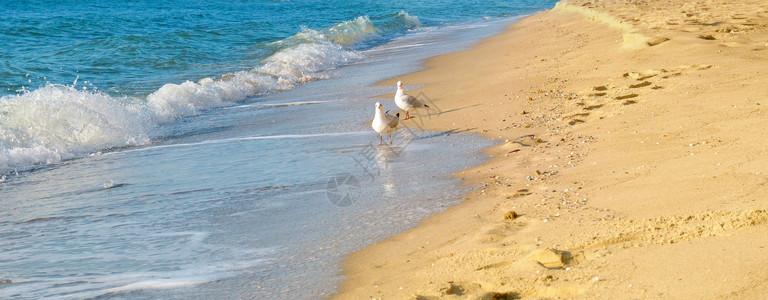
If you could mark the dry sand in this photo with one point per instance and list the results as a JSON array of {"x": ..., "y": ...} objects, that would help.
[{"x": 633, "y": 148}]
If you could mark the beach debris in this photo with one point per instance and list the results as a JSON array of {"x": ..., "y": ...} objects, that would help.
[
  {"x": 546, "y": 173},
  {"x": 708, "y": 37},
  {"x": 511, "y": 215},
  {"x": 549, "y": 258},
  {"x": 600, "y": 88}
]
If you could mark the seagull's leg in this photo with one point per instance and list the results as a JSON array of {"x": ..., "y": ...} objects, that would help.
[
  {"x": 390, "y": 138},
  {"x": 407, "y": 115},
  {"x": 381, "y": 139}
]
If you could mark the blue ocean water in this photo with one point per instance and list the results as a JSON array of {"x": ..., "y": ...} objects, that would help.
[{"x": 200, "y": 149}]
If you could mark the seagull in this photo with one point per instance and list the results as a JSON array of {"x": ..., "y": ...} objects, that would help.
[
  {"x": 407, "y": 102},
  {"x": 384, "y": 123}
]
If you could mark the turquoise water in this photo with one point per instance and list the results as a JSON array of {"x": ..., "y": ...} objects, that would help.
[
  {"x": 134, "y": 47},
  {"x": 191, "y": 149}
]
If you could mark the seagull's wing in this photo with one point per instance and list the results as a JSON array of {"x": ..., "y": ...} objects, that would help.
[{"x": 393, "y": 120}]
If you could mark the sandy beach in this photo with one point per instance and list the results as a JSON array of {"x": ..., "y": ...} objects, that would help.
[{"x": 631, "y": 160}]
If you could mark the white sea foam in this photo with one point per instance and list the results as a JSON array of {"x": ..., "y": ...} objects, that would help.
[
  {"x": 55, "y": 123},
  {"x": 272, "y": 105},
  {"x": 249, "y": 138},
  {"x": 90, "y": 286},
  {"x": 303, "y": 62},
  {"x": 413, "y": 20}
]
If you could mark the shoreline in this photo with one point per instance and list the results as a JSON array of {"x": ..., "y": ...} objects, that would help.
[{"x": 632, "y": 157}]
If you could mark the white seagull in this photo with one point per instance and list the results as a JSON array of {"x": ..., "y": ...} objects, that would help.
[
  {"x": 407, "y": 102},
  {"x": 384, "y": 123}
]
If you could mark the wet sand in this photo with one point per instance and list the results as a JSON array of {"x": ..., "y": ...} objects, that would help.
[{"x": 632, "y": 160}]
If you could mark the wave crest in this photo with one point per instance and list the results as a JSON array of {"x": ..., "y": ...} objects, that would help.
[
  {"x": 56, "y": 123},
  {"x": 410, "y": 19},
  {"x": 353, "y": 31},
  {"x": 304, "y": 57}
]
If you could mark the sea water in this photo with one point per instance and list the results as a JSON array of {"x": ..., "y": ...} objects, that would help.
[{"x": 197, "y": 149}]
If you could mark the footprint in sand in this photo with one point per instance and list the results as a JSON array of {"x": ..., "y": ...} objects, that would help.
[
  {"x": 639, "y": 85},
  {"x": 732, "y": 44},
  {"x": 501, "y": 296},
  {"x": 599, "y": 91},
  {"x": 677, "y": 228},
  {"x": 656, "y": 41},
  {"x": 574, "y": 119},
  {"x": 640, "y": 76},
  {"x": 502, "y": 231},
  {"x": 629, "y": 102},
  {"x": 460, "y": 289},
  {"x": 529, "y": 140},
  {"x": 627, "y": 96},
  {"x": 592, "y": 107},
  {"x": 518, "y": 194}
]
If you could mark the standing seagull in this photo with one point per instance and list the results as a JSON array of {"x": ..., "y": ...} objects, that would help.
[
  {"x": 384, "y": 123},
  {"x": 407, "y": 102}
]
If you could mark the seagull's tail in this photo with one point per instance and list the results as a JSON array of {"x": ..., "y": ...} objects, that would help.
[{"x": 425, "y": 105}]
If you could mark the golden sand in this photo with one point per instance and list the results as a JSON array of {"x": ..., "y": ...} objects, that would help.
[{"x": 633, "y": 151}]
